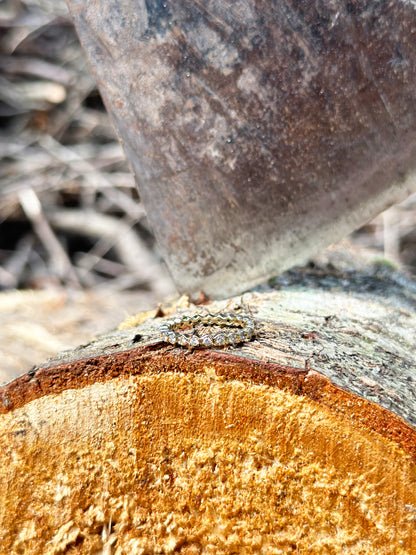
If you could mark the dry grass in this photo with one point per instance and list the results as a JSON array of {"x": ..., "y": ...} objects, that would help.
[{"x": 69, "y": 209}]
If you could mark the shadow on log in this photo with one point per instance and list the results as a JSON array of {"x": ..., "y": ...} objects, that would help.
[{"x": 302, "y": 439}]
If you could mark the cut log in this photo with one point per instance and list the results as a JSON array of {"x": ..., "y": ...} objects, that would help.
[{"x": 302, "y": 440}]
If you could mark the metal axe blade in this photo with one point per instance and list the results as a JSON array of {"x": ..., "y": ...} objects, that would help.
[{"x": 259, "y": 131}]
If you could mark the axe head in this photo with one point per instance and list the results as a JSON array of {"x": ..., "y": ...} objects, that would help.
[{"x": 259, "y": 131}]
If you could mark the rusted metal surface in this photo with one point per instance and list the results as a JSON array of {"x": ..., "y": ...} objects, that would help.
[{"x": 258, "y": 132}]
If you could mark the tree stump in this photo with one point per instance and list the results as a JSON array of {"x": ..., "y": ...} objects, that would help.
[{"x": 301, "y": 440}]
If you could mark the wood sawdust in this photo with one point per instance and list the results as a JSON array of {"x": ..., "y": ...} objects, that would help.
[{"x": 35, "y": 325}]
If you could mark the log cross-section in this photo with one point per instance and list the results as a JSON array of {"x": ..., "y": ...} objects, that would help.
[{"x": 301, "y": 440}]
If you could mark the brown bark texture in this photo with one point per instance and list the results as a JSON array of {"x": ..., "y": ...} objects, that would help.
[{"x": 301, "y": 440}]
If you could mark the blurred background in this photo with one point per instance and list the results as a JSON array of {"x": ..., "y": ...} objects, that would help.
[{"x": 76, "y": 253}]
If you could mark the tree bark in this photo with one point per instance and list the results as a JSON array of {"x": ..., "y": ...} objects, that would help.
[{"x": 302, "y": 439}]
